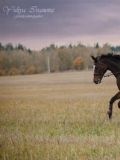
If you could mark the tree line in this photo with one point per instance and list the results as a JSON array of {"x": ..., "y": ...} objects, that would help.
[{"x": 15, "y": 60}]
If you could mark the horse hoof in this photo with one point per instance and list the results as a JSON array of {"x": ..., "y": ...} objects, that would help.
[
  {"x": 119, "y": 104},
  {"x": 109, "y": 114}
]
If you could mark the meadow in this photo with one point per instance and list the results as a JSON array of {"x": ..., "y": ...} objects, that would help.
[{"x": 58, "y": 116}]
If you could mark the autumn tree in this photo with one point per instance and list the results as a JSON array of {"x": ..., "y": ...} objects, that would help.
[
  {"x": 9, "y": 47},
  {"x": 65, "y": 60},
  {"x": 20, "y": 47},
  {"x": 20, "y": 60},
  {"x": 78, "y": 63},
  {"x": 1, "y": 46}
]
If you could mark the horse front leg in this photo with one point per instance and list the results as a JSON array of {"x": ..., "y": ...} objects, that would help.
[{"x": 112, "y": 100}]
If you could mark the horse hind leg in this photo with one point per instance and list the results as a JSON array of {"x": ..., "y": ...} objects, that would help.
[{"x": 112, "y": 100}]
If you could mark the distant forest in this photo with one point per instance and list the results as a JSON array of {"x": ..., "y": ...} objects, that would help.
[{"x": 16, "y": 60}]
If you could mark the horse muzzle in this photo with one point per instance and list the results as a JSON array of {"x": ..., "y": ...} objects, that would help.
[{"x": 97, "y": 81}]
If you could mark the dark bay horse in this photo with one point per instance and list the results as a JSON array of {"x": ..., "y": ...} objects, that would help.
[{"x": 102, "y": 64}]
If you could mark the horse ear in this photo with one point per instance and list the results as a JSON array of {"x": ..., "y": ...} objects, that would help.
[{"x": 94, "y": 59}]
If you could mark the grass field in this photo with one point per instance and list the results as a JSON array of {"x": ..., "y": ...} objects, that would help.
[{"x": 58, "y": 116}]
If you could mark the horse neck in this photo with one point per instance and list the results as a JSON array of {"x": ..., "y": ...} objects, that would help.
[{"x": 114, "y": 67}]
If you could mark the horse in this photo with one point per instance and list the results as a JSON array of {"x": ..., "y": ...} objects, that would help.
[{"x": 103, "y": 63}]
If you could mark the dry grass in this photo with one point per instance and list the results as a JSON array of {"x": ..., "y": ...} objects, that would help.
[{"x": 59, "y": 116}]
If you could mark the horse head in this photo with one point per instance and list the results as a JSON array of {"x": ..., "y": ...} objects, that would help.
[{"x": 99, "y": 69}]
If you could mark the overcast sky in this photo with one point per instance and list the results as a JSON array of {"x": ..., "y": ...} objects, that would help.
[{"x": 66, "y": 21}]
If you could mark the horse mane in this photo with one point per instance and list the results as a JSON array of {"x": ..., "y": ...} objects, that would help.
[{"x": 110, "y": 56}]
